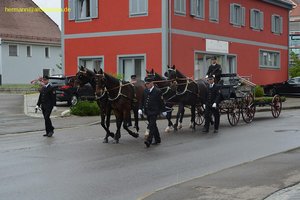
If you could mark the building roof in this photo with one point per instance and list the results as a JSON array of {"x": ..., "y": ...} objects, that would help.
[
  {"x": 283, "y": 3},
  {"x": 27, "y": 26}
]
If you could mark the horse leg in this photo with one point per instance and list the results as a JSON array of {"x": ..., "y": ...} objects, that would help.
[
  {"x": 170, "y": 124},
  {"x": 180, "y": 108},
  {"x": 136, "y": 117},
  {"x": 108, "y": 115},
  {"x": 193, "y": 112},
  {"x": 181, "y": 117},
  {"x": 126, "y": 117},
  {"x": 118, "y": 133}
]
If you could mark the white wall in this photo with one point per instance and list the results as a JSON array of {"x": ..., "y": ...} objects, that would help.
[{"x": 22, "y": 69}]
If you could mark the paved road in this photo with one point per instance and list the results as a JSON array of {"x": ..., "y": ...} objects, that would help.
[{"x": 74, "y": 164}]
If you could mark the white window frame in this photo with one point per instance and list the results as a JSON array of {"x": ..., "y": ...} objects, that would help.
[
  {"x": 237, "y": 15},
  {"x": 76, "y": 7},
  {"x": 81, "y": 60},
  {"x": 256, "y": 19},
  {"x": 198, "y": 8},
  {"x": 47, "y": 56},
  {"x": 120, "y": 58},
  {"x": 269, "y": 59},
  {"x": 15, "y": 53},
  {"x": 277, "y": 24},
  {"x": 180, "y": 7},
  {"x": 29, "y": 54},
  {"x": 214, "y": 10},
  {"x": 138, "y": 7}
]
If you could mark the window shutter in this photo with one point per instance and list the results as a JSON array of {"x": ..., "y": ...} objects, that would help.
[
  {"x": 232, "y": 13},
  {"x": 94, "y": 8},
  {"x": 72, "y": 6},
  {"x": 193, "y": 8},
  {"x": 273, "y": 23},
  {"x": 146, "y": 5},
  {"x": 177, "y": 5},
  {"x": 252, "y": 18},
  {"x": 261, "y": 20},
  {"x": 184, "y": 5},
  {"x": 243, "y": 16},
  {"x": 280, "y": 25}
]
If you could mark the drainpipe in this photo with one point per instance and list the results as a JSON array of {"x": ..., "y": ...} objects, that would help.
[{"x": 170, "y": 32}]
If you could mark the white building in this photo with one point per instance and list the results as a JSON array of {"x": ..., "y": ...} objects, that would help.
[{"x": 30, "y": 44}]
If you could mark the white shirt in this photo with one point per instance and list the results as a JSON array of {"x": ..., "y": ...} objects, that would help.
[{"x": 150, "y": 90}]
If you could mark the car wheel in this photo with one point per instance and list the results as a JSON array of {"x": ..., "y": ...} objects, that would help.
[{"x": 73, "y": 101}]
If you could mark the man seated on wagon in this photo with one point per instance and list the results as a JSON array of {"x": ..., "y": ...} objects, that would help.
[
  {"x": 211, "y": 105},
  {"x": 215, "y": 69}
]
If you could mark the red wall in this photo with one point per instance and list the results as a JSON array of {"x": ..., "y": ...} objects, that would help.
[
  {"x": 110, "y": 47},
  {"x": 114, "y": 16}
]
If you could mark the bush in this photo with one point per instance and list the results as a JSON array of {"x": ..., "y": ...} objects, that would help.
[
  {"x": 294, "y": 70},
  {"x": 259, "y": 91},
  {"x": 85, "y": 108}
]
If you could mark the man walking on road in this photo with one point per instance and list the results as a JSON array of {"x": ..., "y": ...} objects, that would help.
[
  {"x": 211, "y": 105},
  {"x": 46, "y": 102},
  {"x": 152, "y": 104}
]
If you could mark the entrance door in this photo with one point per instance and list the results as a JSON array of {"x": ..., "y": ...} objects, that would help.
[{"x": 132, "y": 65}]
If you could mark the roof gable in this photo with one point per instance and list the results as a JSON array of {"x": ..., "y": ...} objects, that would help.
[{"x": 26, "y": 26}]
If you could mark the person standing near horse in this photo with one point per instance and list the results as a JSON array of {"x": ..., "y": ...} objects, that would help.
[
  {"x": 215, "y": 69},
  {"x": 211, "y": 105},
  {"x": 152, "y": 105},
  {"x": 46, "y": 102}
]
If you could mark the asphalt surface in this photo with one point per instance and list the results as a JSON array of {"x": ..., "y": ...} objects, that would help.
[{"x": 257, "y": 179}]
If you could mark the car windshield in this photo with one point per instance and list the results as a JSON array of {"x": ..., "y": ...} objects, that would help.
[{"x": 57, "y": 81}]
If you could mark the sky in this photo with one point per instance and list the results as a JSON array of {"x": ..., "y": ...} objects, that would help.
[{"x": 55, "y": 16}]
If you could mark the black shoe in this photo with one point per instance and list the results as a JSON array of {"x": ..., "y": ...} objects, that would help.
[
  {"x": 50, "y": 134},
  {"x": 205, "y": 130},
  {"x": 212, "y": 122},
  {"x": 45, "y": 135},
  {"x": 216, "y": 131},
  {"x": 147, "y": 144}
]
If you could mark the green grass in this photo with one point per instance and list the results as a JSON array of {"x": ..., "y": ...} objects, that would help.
[{"x": 22, "y": 86}]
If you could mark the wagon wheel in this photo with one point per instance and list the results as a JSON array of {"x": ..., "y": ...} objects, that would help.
[
  {"x": 233, "y": 114},
  {"x": 276, "y": 106},
  {"x": 248, "y": 108},
  {"x": 199, "y": 115}
]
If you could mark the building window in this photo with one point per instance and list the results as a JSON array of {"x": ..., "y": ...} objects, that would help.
[
  {"x": 138, "y": 7},
  {"x": 180, "y": 7},
  {"x": 237, "y": 15},
  {"x": 269, "y": 59},
  {"x": 129, "y": 65},
  {"x": 276, "y": 24},
  {"x": 92, "y": 63},
  {"x": 197, "y": 8},
  {"x": 13, "y": 50},
  {"x": 256, "y": 19},
  {"x": 47, "y": 52},
  {"x": 29, "y": 52},
  {"x": 83, "y": 9},
  {"x": 214, "y": 10}
]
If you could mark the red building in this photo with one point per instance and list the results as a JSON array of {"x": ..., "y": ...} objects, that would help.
[{"x": 126, "y": 37}]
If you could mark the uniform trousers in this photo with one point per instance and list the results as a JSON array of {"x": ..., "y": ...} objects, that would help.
[
  {"x": 153, "y": 130},
  {"x": 209, "y": 111},
  {"x": 48, "y": 124}
]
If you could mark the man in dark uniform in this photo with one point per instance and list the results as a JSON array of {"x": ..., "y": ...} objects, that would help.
[
  {"x": 46, "y": 102},
  {"x": 212, "y": 105},
  {"x": 152, "y": 105},
  {"x": 215, "y": 69}
]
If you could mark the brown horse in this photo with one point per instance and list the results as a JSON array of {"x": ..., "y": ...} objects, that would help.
[
  {"x": 122, "y": 97},
  {"x": 187, "y": 91},
  {"x": 85, "y": 76}
]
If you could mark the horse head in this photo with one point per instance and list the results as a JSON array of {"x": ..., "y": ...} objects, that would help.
[
  {"x": 84, "y": 76},
  {"x": 100, "y": 80}
]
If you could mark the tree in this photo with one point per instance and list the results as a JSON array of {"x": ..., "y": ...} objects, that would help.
[{"x": 295, "y": 69}]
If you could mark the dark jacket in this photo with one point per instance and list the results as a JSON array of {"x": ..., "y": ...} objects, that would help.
[
  {"x": 47, "y": 98},
  {"x": 215, "y": 70},
  {"x": 213, "y": 95},
  {"x": 152, "y": 102}
]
